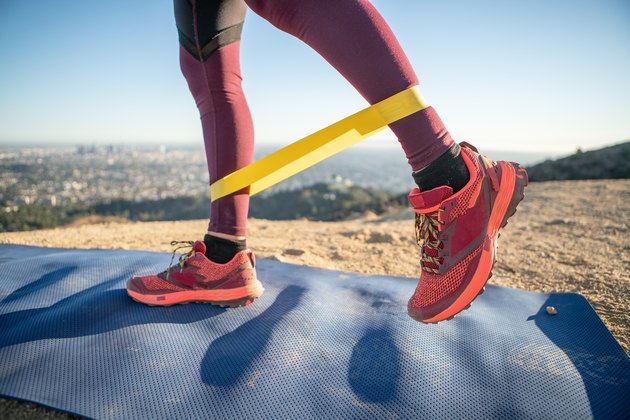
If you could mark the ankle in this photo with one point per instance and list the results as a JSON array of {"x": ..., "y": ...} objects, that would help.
[
  {"x": 448, "y": 169},
  {"x": 220, "y": 249}
]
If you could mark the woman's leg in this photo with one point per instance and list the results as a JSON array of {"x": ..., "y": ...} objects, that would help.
[
  {"x": 463, "y": 198},
  {"x": 218, "y": 270},
  {"x": 209, "y": 34},
  {"x": 355, "y": 39}
]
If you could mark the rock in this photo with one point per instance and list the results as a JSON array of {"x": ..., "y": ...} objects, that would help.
[
  {"x": 378, "y": 238},
  {"x": 565, "y": 222},
  {"x": 294, "y": 252}
]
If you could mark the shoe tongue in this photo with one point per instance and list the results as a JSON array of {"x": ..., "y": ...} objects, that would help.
[
  {"x": 200, "y": 247},
  {"x": 426, "y": 200}
]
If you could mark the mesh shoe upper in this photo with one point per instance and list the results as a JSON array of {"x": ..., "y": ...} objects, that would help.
[
  {"x": 435, "y": 287},
  {"x": 452, "y": 230},
  {"x": 197, "y": 272}
]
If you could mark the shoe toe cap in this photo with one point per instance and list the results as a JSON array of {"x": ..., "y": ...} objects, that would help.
[
  {"x": 419, "y": 314},
  {"x": 427, "y": 314}
]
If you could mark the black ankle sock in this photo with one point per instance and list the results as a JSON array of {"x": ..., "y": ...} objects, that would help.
[
  {"x": 448, "y": 169},
  {"x": 222, "y": 250}
]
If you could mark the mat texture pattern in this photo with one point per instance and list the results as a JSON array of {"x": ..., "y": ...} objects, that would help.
[{"x": 318, "y": 344}]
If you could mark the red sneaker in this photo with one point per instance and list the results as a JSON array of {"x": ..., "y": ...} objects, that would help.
[
  {"x": 458, "y": 235},
  {"x": 197, "y": 279}
]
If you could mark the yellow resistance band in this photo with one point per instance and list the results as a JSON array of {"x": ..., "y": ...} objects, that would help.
[{"x": 320, "y": 145}]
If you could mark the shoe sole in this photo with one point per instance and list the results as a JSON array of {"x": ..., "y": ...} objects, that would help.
[
  {"x": 511, "y": 193},
  {"x": 228, "y": 298}
]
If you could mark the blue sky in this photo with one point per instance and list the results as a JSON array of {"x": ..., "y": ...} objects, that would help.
[{"x": 533, "y": 76}]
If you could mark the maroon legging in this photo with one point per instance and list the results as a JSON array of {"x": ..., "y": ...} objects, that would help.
[{"x": 350, "y": 34}]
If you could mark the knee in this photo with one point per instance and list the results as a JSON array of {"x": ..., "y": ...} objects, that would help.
[{"x": 217, "y": 79}]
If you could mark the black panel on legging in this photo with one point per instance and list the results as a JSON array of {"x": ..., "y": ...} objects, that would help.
[{"x": 219, "y": 23}]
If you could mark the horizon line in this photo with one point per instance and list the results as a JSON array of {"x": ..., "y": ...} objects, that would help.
[{"x": 390, "y": 144}]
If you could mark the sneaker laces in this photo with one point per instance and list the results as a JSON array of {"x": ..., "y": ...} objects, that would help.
[
  {"x": 427, "y": 229},
  {"x": 190, "y": 245}
]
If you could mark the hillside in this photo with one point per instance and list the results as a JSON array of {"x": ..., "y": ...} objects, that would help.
[
  {"x": 325, "y": 202},
  {"x": 608, "y": 163}
]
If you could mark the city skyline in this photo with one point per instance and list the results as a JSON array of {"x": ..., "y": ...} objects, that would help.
[{"x": 535, "y": 76}]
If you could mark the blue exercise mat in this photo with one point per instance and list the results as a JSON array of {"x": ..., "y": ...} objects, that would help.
[{"x": 318, "y": 344}]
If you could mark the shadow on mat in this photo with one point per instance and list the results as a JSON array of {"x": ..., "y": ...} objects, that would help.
[
  {"x": 601, "y": 362},
  {"x": 41, "y": 283},
  {"x": 374, "y": 366},
  {"x": 230, "y": 356},
  {"x": 375, "y": 363},
  {"x": 94, "y": 310}
]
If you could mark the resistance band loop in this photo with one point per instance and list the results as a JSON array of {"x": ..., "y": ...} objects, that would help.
[{"x": 320, "y": 145}]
